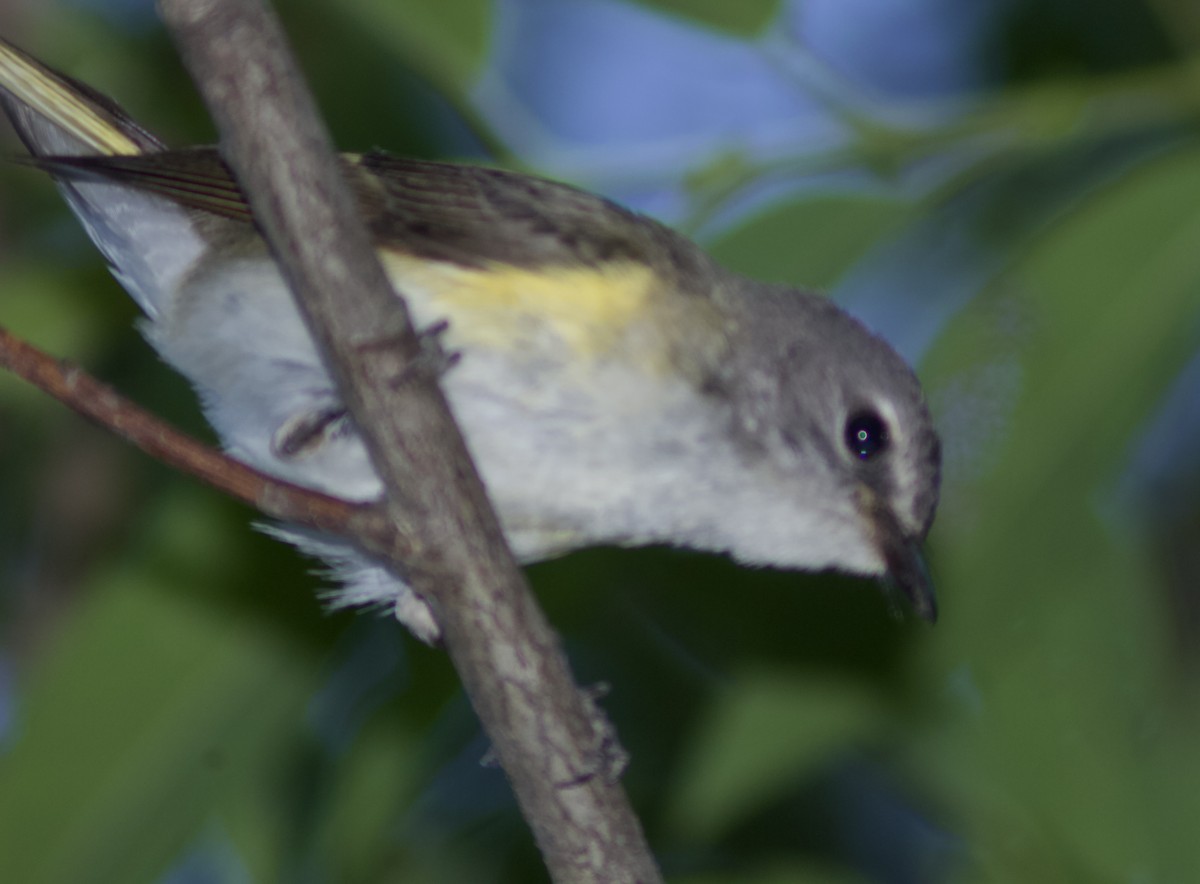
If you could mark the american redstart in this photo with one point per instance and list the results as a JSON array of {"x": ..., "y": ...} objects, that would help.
[{"x": 615, "y": 385}]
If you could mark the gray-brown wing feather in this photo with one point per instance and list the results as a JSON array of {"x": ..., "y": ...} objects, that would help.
[{"x": 463, "y": 214}]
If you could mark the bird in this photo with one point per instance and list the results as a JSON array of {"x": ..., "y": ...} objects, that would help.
[{"x": 615, "y": 385}]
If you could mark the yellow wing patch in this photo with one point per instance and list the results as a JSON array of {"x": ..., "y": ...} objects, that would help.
[
  {"x": 589, "y": 310},
  {"x": 61, "y": 103}
]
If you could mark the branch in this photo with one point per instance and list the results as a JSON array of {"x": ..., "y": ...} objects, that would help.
[
  {"x": 273, "y": 497},
  {"x": 542, "y": 727}
]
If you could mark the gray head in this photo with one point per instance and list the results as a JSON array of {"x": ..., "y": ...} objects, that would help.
[{"x": 839, "y": 422}]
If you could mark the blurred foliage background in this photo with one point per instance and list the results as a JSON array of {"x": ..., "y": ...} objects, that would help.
[{"x": 1007, "y": 189}]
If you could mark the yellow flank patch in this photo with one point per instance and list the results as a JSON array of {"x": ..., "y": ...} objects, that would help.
[
  {"x": 586, "y": 308},
  {"x": 61, "y": 104}
]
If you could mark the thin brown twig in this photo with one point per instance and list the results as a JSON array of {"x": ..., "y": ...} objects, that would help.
[{"x": 74, "y": 387}]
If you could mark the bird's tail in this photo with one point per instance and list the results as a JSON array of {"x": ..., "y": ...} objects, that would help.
[
  {"x": 58, "y": 116},
  {"x": 149, "y": 241}
]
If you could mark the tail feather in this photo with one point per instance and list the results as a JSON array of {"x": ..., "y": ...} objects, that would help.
[
  {"x": 58, "y": 116},
  {"x": 150, "y": 242}
]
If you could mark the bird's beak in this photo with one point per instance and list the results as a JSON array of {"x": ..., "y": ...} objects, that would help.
[
  {"x": 907, "y": 571},
  {"x": 901, "y": 554}
]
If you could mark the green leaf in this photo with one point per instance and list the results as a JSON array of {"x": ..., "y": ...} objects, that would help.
[
  {"x": 153, "y": 702},
  {"x": 810, "y": 241},
  {"x": 764, "y": 734},
  {"x": 445, "y": 40},
  {"x": 779, "y": 872},
  {"x": 1061, "y": 743},
  {"x": 747, "y": 18}
]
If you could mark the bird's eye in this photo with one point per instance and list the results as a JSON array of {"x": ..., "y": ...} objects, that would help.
[{"x": 866, "y": 434}]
